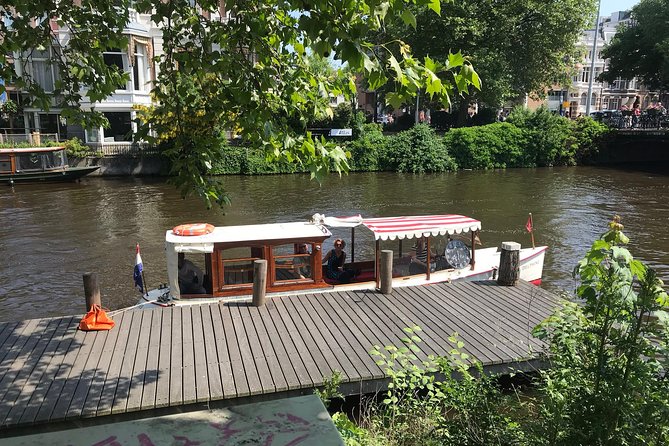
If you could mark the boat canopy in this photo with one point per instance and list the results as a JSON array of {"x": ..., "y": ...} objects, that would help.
[{"x": 391, "y": 228}]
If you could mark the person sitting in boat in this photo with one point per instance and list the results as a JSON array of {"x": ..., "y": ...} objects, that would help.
[
  {"x": 301, "y": 265},
  {"x": 191, "y": 278},
  {"x": 418, "y": 263},
  {"x": 335, "y": 259}
]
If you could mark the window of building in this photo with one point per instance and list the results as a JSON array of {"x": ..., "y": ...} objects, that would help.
[
  {"x": 120, "y": 126},
  {"x": 141, "y": 74},
  {"x": 584, "y": 98},
  {"x": 555, "y": 95},
  {"x": 43, "y": 70},
  {"x": 116, "y": 58},
  {"x": 585, "y": 75}
]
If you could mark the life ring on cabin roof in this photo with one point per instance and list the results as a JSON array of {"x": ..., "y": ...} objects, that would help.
[{"x": 193, "y": 229}]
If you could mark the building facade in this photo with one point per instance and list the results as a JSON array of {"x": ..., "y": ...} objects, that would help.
[{"x": 605, "y": 96}]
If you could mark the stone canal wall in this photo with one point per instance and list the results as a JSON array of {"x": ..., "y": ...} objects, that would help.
[
  {"x": 635, "y": 147},
  {"x": 125, "y": 165}
]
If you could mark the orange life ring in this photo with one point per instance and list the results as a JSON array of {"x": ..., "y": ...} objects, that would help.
[{"x": 193, "y": 229}]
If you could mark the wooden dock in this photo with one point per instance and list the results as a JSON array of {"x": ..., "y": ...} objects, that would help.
[{"x": 233, "y": 352}]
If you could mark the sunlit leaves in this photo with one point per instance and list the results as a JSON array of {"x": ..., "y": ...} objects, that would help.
[{"x": 252, "y": 75}]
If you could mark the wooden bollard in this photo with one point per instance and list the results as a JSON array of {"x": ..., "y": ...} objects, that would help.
[
  {"x": 91, "y": 290},
  {"x": 509, "y": 264},
  {"x": 259, "y": 281},
  {"x": 386, "y": 270}
]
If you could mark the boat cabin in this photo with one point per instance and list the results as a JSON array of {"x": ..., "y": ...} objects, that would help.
[
  {"x": 293, "y": 252},
  {"x": 35, "y": 159}
]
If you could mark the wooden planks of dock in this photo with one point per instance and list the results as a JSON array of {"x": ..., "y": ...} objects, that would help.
[{"x": 180, "y": 356}]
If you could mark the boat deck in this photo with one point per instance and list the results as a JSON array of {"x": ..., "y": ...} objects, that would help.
[{"x": 237, "y": 353}]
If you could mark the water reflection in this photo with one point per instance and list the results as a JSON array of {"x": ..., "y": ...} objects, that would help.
[{"x": 54, "y": 233}]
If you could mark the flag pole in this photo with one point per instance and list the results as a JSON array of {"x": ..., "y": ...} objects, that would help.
[{"x": 531, "y": 233}]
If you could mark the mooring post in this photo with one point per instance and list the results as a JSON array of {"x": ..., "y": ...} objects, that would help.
[
  {"x": 259, "y": 281},
  {"x": 386, "y": 286},
  {"x": 509, "y": 264},
  {"x": 91, "y": 290}
]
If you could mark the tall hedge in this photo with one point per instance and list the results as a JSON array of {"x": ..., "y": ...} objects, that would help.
[
  {"x": 417, "y": 150},
  {"x": 546, "y": 134},
  {"x": 490, "y": 146}
]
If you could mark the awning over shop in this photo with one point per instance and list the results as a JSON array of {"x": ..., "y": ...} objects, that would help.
[{"x": 391, "y": 228}]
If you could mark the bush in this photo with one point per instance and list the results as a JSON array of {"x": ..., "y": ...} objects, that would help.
[
  {"x": 342, "y": 116},
  {"x": 366, "y": 150},
  {"x": 588, "y": 136},
  {"x": 417, "y": 150},
  {"x": 460, "y": 407},
  {"x": 442, "y": 120},
  {"x": 75, "y": 148},
  {"x": 491, "y": 146},
  {"x": 607, "y": 383},
  {"x": 546, "y": 134}
]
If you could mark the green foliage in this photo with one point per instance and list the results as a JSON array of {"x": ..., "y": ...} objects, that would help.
[
  {"x": 368, "y": 148},
  {"x": 608, "y": 353},
  {"x": 330, "y": 388},
  {"x": 342, "y": 116},
  {"x": 587, "y": 137},
  {"x": 207, "y": 83},
  {"x": 75, "y": 148},
  {"x": 641, "y": 50},
  {"x": 491, "y": 146},
  {"x": 417, "y": 150},
  {"x": 458, "y": 408},
  {"x": 518, "y": 46},
  {"x": 546, "y": 136},
  {"x": 9, "y": 108}
]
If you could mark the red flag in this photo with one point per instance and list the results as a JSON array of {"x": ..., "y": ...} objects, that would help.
[{"x": 528, "y": 225}]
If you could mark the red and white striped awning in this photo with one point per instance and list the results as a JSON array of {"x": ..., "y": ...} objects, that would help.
[{"x": 390, "y": 228}]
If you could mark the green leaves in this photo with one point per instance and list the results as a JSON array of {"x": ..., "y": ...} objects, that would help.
[{"x": 408, "y": 18}]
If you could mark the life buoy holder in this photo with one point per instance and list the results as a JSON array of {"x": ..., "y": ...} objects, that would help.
[{"x": 193, "y": 229}]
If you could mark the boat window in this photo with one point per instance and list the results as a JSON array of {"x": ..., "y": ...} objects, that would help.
[
  {"x": 5, "y": 163},
  {"x": 293, "y": 262},
  {"x": 28, "y": 161},
  {"x": 237, "y": 266},
  {"x": 53, "y": 160}
]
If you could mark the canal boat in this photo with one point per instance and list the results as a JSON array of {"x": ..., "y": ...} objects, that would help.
[
  {"x": 38, "y": 164},
  {"x": 295, "y": 251}
]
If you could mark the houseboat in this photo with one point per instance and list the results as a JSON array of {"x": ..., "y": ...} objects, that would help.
[
  {"x": 295, "y": 253},
  {"x": 38, "y": 164}
]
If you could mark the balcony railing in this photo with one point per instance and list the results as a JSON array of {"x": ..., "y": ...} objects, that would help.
[
  {"x": 30, "y": 138},
  {"x": 124, "y": 149}
]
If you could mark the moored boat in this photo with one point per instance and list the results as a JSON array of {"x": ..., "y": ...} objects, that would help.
[
  {"x": 294, "y": 253},
  {"x": 38, "y": 164}
]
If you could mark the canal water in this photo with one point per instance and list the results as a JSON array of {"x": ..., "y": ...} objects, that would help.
[{"x": 53, "y": 233}]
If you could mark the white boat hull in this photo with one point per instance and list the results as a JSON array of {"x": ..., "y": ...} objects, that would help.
[{"x": 487, "y": 262}]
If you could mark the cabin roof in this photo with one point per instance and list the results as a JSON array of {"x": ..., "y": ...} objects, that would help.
[
  {"x": 30, "y": 149},
  {"x": 250, "y": 233}
]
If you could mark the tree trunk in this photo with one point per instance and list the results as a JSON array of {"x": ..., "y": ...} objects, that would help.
[{"x": 463, "y": 111}]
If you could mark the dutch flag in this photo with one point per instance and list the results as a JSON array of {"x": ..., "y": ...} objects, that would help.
[{"x": 137, "y": 275}]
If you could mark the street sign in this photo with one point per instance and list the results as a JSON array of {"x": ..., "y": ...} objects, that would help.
[{"x": 341, "y": 132}]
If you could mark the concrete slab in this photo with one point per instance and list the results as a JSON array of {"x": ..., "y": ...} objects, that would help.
[{"x": 298, "y": 421}]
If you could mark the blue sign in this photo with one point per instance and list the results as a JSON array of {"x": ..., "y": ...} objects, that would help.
[{"x": 3, "y": 95}]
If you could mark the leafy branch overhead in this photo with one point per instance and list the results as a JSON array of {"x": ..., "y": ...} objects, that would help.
[{"x": 240, "y": 66}]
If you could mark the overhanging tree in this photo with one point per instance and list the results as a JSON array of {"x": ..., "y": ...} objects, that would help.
[
  {"x": 642, "y": 49},
  {"x": 517, "y": 46},
  {"x": 249, "y": 73}
]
